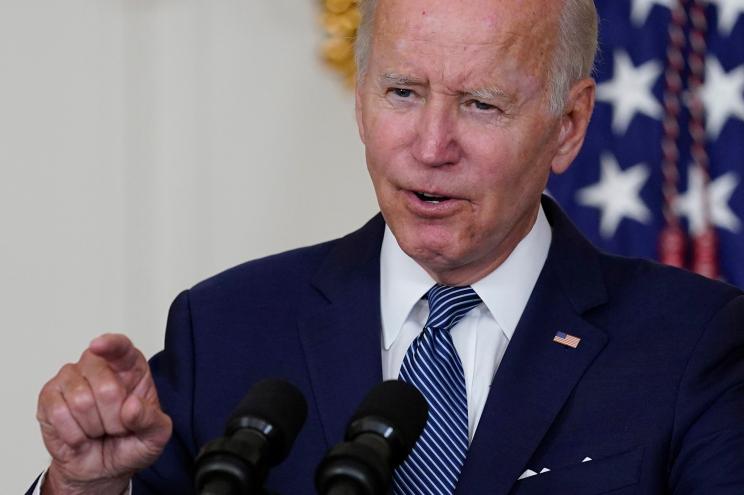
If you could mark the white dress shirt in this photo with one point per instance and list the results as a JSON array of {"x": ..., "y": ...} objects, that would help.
[{"x": 482, "y": 336}]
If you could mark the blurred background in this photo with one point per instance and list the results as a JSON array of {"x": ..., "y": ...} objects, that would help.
[
  {"x": 145, "y": 145},
  {"x": 148, "y": 144}
]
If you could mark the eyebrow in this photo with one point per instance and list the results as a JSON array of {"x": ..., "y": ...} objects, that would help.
[
  {"x": 400, "y": 79},
  {"x": 486, "y": 93}
]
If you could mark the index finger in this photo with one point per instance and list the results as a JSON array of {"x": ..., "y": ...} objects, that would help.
[{"x": 117, "y": 350}]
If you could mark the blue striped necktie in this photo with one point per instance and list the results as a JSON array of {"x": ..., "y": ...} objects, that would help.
[{"x": 432, "y": 365}]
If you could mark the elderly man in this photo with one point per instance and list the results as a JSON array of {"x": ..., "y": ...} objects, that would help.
[{"x": 565, "y": 370}]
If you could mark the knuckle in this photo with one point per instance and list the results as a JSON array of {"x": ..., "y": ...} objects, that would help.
[
  {"x": 48, "y": 398},
  {"x": 110, "y": 392},
  {"x": 81, "y": 400},
  {"x": 67, "y": 369},
  {"x": 41, "y": 414},
  {"x": 67, "y": 373},
  {"x": 46, "y": 391},
  {"x": 58, "y": 414}
]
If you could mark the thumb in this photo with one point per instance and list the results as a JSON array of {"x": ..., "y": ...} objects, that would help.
[{"x": 147, "y": 421}]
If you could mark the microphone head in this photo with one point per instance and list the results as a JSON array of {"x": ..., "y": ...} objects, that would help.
[
  {"x": 397, "y": 405},
  {"x": 277, "y": 409}
]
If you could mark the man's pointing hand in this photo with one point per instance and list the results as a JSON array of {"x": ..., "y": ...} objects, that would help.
[{"x": 101, "y": 419}]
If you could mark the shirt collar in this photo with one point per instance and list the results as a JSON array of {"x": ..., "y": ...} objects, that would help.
[{"x": 505, "y": 291}]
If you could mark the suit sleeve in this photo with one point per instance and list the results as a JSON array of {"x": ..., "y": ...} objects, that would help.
[
  {"x": 173, "y": 372},
  {"x": 708, "y": 438}
]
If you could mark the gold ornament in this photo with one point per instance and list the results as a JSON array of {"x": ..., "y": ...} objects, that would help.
[
  {"x": 340, "y": 19},
  {"x": 339, "y": 6}
]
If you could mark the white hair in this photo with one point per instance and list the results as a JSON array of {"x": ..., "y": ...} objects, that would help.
[{"x": 573, "y": 59}]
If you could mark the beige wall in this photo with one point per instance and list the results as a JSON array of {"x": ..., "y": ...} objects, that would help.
[{"x": 144, "y": 145}]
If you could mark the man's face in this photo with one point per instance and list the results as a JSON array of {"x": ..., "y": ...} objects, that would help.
[{"x": 459, "y": 139}]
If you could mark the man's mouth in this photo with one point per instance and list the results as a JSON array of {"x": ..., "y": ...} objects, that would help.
[{"x": 431, "y": 198}]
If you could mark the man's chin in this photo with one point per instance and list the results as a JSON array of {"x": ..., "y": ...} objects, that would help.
[
  {"x": 432, "y": 252},
  {"x": 445, "y": 256}
]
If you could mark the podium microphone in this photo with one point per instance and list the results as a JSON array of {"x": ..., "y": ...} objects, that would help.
[
  {"x": 258, "y": 436},
  {"x": 379, "y": 437}
]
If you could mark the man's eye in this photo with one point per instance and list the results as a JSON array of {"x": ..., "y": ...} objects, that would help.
[
  {"x": 402, "y": 92},
  {"x": 482, "y": 106}
]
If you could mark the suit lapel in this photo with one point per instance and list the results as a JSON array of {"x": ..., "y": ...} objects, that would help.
[
  {"x": 339, "y": 325},
  {"x": 536, "y": 376}
]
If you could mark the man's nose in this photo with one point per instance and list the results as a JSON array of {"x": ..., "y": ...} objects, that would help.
[{"x": 436, "y": 144}]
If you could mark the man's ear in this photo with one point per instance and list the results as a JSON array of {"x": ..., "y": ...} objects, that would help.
[
  {"x": 574, "y": 122},
  {"x": 358, "y": 108}
]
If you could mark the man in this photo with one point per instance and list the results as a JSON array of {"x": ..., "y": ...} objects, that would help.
[{"x": 583, "y": 373}]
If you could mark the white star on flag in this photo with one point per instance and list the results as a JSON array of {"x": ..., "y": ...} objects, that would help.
[
  {"x": 719, "y": 193},
  {"x": 722, "y": 95},
  {"x": 728, "y": 12},
  {"x": 617, "y": 194},
  {"x": 630, "y": 91},
  {"x": 640, "y": 9}
]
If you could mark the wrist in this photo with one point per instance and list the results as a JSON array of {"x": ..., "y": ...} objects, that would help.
[{"x": 55, "y": 483}]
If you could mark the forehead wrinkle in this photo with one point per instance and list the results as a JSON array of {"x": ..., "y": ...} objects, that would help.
[
  {"x": 525, "y": 28},
  {"x": 485, "y": 21},
  {"x": 483, "y": 67}
]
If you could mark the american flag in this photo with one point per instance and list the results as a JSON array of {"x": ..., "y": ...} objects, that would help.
[
  {"x": 567, "y": 339},
  {"x": 660, "y": 174}
]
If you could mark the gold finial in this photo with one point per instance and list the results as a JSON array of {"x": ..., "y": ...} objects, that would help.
[{"x": 340, "y": 20}]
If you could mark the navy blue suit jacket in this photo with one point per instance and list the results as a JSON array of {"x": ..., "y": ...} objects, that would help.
[{"x": 654, "y": 393}]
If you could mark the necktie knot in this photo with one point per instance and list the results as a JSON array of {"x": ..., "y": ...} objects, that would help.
[{"x": 448, "y": 305}]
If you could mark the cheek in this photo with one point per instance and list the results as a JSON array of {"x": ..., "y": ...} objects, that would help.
[
  {"x": 385, "y": 127},
  {"x": 508, "y": 174},
  {"x": 492, "y": 159},
  {"x": 388, "y": 142},
  {"x": 391, "y": 132},
  {"x": 507, "y": 160}
]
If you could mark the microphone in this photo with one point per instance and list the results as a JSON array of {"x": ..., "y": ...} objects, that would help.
[
  {"x": 258, "y": 436},
  {"x": 379, "y": 437}
]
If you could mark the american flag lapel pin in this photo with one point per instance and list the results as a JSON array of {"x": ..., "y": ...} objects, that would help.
[{"x": 566, "y": 339}]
